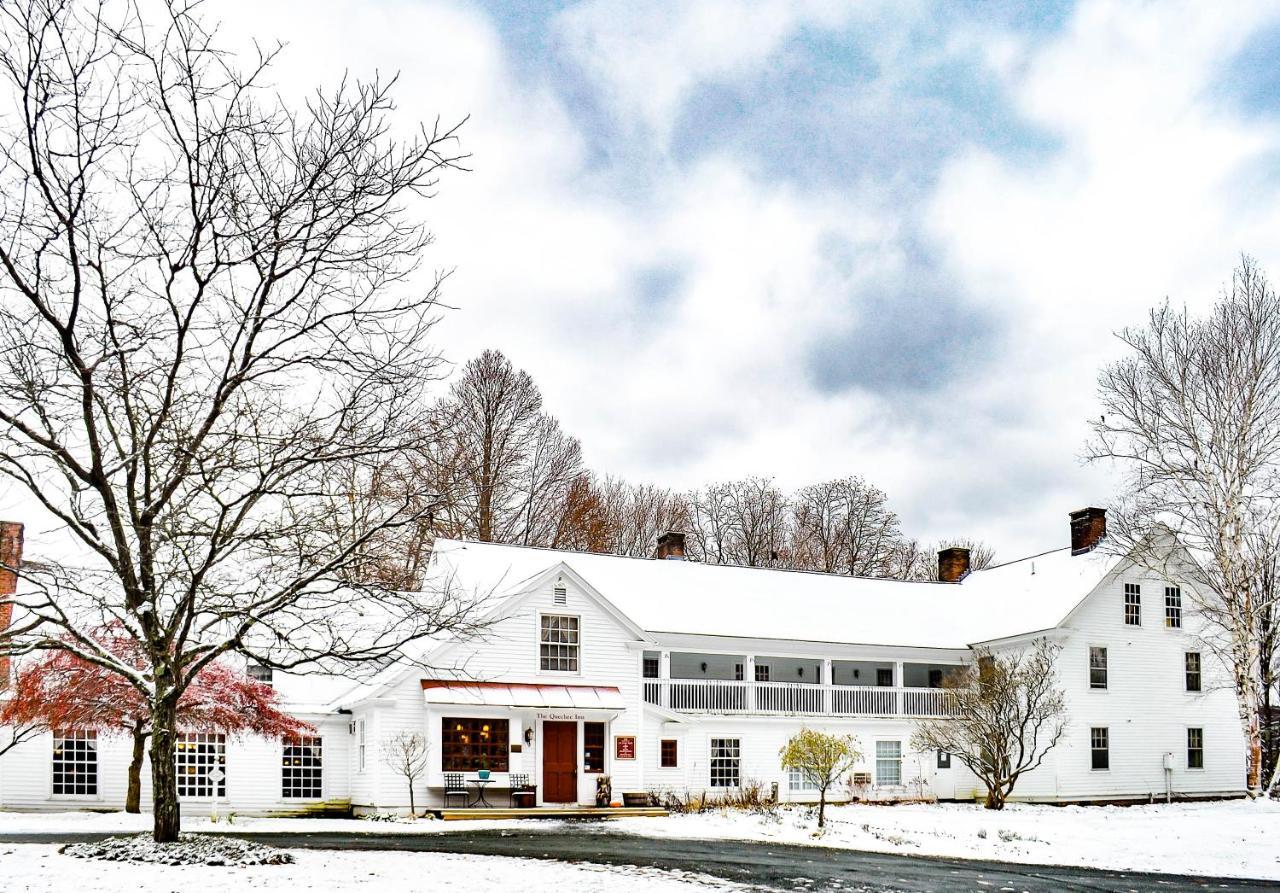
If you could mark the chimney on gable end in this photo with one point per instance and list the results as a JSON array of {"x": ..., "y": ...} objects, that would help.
[
  {"x": 670, "y": 547},
  {"x": 1088, "y": 528},
  {"x": 10, "y": 561},
  {"x": 953, "y": 564}
]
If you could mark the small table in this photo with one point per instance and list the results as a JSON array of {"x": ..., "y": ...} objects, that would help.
[{"x": 480, "y": 783}]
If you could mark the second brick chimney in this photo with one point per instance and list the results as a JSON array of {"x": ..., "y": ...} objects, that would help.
[
  {"x": 953, "y": 564},
  {"x": 10, "y": 561},
  {"x": 670, "y": 546},
  {"x": 1088, "y": 527}
]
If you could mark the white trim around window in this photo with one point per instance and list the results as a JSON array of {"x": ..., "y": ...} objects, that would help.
[{"x": 567, "y": 643}]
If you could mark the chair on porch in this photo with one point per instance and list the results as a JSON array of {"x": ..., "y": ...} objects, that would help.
[
  {"x": 521, "y": 789},
  {"x": 454, "y": 786}
]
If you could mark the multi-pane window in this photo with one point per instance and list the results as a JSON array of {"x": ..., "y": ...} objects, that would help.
[
  {"x": 799, "y": 780},
  {"x": 762, "y": 672},
  {"x": 196, "y": 755},
  {"x": 884, "y": 676},
  {"x": 726, "y": 762},
  {"x": 650, "y": 668},
  {"x": 669, "y": 754},
  {"x": 468, "y": 744},
  {"x": 558, "y": 643},
  {"x": 1195, "y": 748},
  {"x": 1173, "y": 607},
  {"x": 1097, "y": 666},
  {"x": 302, "y": 768},
  {"x": 593, "y": 747},
  {"x": 1132, "y": 604},
  {"x": 1099, "y": 748},
  {"x": 888, "y": 762},
  {"x": 1193, "y": 670},
  {"x": 258, "y": 673},
  {"x": 75, "y": 762},
  {"x": 737, "y": 672},
  {"x": 944, "y": 760}
]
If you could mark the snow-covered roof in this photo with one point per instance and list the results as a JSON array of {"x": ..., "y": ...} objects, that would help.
[{"x": 1020, "y": 597}]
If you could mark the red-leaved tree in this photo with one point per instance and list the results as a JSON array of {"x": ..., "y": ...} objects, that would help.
[{"x": 62, "y": 691}]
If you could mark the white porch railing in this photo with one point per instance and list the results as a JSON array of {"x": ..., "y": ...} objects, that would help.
[{"x": 775, "y": 698}]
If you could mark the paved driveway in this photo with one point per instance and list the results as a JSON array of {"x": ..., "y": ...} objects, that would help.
[{"x": 766, "y": 866}]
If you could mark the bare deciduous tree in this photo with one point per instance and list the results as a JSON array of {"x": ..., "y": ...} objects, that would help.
[
  {"x": 1008, "y": 714},
  {"x": 405, "y": 754},
  {"x": 1192, "y": 416},
  {"x": 207, "y": 314},
  {"x": 844, "y": 526},
  {"x": 914, "y": 560}
]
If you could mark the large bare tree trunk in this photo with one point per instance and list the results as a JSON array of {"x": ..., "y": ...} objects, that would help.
[
  {"x": 167, "y": 814},
  {"x": 133, "y": 795}
]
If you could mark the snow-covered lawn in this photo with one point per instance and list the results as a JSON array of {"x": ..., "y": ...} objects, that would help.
[
  {"x": 1236, "y": 838},
  {"x": 29, "y": 867}
]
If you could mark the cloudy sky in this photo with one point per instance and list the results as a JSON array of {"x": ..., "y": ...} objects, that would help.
[{"x": 809, "y": 239}]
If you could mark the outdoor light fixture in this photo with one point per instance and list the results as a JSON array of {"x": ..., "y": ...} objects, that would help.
[
  {"x": 351, "y": 727},
  {"x": 528, "y": 735},
  {"x": 799, "y": 671},
  {"x": 704, "y": 666}
]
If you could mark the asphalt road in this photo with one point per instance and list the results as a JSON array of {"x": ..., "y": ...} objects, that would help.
[{"x": 760, "y": 865}]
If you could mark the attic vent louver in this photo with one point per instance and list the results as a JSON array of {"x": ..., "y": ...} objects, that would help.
[{"x": 561, "y": 596}]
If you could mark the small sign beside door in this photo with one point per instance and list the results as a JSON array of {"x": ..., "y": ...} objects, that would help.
[{"x": 624, "y": 747}]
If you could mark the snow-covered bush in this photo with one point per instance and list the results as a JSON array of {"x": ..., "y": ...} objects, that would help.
[{"x": 189, "y": 849}]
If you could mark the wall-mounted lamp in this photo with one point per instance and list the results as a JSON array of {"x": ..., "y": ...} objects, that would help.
[
  {"x": 351, "y": 727},
  {"x": 528, "y": 736},
  {"x": 799, "y": 671},
  {"x": 857, "y": 673},
  {"x": 704, "y": 666}
]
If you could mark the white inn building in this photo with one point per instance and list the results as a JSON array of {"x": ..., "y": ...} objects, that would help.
[{"x": 668, "y": 674}]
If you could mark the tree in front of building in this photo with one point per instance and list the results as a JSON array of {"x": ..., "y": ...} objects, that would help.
[
  {"x": 1007, "y": 714},
  {"x": 405, "y": 754},
  {"x": 212, "y": 329},
  {"x": 63, "y": 691},
  {"x": 822, "y": 760},
  {"x": 1191, "y": 415}
]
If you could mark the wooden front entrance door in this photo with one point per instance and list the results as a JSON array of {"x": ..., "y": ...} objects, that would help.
[{"x": 560, "y": 762}]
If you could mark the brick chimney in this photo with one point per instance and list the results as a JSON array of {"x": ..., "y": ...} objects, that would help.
[
  {"x": 953, "y": 564},
  {"x": 10, "y": 561},
  {"x": 670, "y": 546},
  {"x": 1088, "y": 527}
]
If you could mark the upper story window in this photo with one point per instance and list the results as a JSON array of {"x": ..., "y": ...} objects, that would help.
[
  {"x": 558, "y": 643},
  {"x": 1192, "y": 659},
  {"x": 1097, "y": 667},
  {"x": 75, "y": 763},
  {"x": 650, "y": 668},
  {"x": 259, "y": 673},
  {"x": 1132, "y": 604},
  {"x": 1173, "y": 607},
  {"x": 762, "y": 672},
  {"x": 1100, "y": 747},
  {"x": 884, "y": 676}
]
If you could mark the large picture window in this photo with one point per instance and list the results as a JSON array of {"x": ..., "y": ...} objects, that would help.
[
  {"x": 197, "y": 754},
  {"x": 75, "y": 763},
  {"x": 889, "y": 762},
  {"x": 726, "y": 762},
  {"x": 302, "y": 768},
  {"x": 469, "y": 744},
  {"x": 558, "y": 643}
]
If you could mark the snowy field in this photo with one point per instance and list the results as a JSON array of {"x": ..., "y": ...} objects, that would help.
[
  {"x": 1235, "y": 838},
  {"x": 28, "y": 867}
]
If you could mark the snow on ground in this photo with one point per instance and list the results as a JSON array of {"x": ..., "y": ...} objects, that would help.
[
  {"x": 34, "y": 868},
  {"x": 1235, "y": 838}
]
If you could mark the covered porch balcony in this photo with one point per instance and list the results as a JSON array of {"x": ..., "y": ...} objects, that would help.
[{"x": 691, "y": 682}]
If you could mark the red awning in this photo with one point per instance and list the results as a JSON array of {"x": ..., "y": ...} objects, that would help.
[{"x": 523, "y": 694}]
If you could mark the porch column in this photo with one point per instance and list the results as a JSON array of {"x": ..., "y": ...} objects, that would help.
[
  {"x": 749, "y": 677},
  {"x": 828, "y": 680},
  {"x": 900, "y": 682},
  {"x": 664, "y": 679}
]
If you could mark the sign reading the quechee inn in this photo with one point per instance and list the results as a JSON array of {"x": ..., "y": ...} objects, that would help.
[
  {"x": 559, "y": 717},
  {"x": 624, "y": 747}
]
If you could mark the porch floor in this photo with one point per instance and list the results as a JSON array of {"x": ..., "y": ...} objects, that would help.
[{"x": 549, "y": 812}]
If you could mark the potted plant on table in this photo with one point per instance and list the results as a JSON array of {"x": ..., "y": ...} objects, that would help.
[{"x": 483, "y": 772}]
